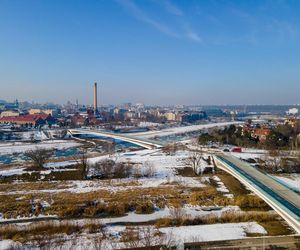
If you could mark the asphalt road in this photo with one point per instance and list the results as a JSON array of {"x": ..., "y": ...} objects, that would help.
[{"x": 283, "y": 195}]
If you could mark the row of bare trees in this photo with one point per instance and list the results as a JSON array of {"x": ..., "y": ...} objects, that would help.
[{"x": 106, "y": 169}]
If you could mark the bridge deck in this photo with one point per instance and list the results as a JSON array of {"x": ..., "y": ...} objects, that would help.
[
  {"x": 283, "y": 195},
  {"x": 118, "y": 136}
]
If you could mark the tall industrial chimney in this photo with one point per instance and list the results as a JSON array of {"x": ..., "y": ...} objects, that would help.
[{"x": 95, "y": 98}]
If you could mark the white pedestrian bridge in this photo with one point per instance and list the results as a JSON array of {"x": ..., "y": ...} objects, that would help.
[
  {"x": 143, "y": 139},
  {"x": 145, "y": 143}
]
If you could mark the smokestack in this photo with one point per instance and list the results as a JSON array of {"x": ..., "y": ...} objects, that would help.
[{"x": 95, "y": 98}]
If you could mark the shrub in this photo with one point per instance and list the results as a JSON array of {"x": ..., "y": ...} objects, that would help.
[
  {"x": 116, "y": 209},
  {"x": 110, "y": 169},
  {"x": 251, "y": 202},
  {"x": 104, "y": 168},
  {"x": 122, "y": 170},
  {"x": 146, "y": 207},
  {"x": 149, "y": 169},
  {"x": 226, "y": 217}
]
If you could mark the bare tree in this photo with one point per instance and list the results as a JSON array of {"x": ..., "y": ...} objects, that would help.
[
  {"x": 177, "y": 213},
  {"x": 82, "y": 161},
  {"x": 149, "y": 169},
  {"x": 130, "y": 237},
  {"x": 104, "y": 168},
  {"x": 110, "y": 147},
  {"x": 169, "y": 239},
  {"x": 60, "y": 134},
  {"x": 272, "y": 161},
  {"x": 170, "y": 149},
  {"x": 39, "y": 157},
  {"x": 149, "y": 236},
  {"x": 99, "y": 242},
  {"x": 136, "y": 171},
  {"x": 31, "y": 137},
  {"x": 122, "y": 169},
  {"x": 193, "y": 161}
]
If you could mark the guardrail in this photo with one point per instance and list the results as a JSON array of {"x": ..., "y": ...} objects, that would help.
[{"x": 286, "y": 209}]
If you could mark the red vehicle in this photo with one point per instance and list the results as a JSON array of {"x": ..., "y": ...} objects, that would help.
[{"x": 236, "y": 150}]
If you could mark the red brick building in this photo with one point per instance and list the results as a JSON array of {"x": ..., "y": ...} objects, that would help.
[
  {"x": 28, "y": 120},
  {"x": 261, "y": 133}
]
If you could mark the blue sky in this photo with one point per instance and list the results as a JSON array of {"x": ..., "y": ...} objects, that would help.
[{"x": 155, "y": 51}]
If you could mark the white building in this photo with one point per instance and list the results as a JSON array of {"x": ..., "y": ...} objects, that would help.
[
  {"x": 170, "y": 116},
  {"x": 9, "y": 113},
  {"x": 292, "y": 111}
]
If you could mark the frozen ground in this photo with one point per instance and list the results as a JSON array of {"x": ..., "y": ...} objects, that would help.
[
  {"x": 16, "y": 170},
  {"x": 172, "y": 236},
  {"x": 165, "y": 165},
  {"x": 190, "y": 211},
  {"x": 213, "y": 232},
  {"x": 131, "y": 217},
  {"x": 49, "y": 167},
  {"x": 21, "y": 147},
  {"x": 164, "y": 173},
  {"x": 221, "y": 187},
  {"x": 60, "y": 164},
  {"x": 114, "y": 185},
  {"x": 9, "y": 244}
]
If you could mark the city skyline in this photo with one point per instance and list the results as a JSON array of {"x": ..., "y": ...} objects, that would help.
[{"x": 155, "y": 52}]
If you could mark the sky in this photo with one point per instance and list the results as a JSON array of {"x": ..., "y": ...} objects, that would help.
[{"x": 156, "y": 51}]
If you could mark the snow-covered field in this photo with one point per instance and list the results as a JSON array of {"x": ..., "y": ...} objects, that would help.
[
  {"x": 132, "y": 217},
  {"x": 115, "y": 185},
  {"x": 9, "y": 244},
  {"x": 213, "y": 232},
  {"x": 189, "y": 211},
  {"x": 164, "y": 173},
  {"x": 36, "y": 135},
  {"x": 171, "y": 236},
  {"x": 221, "y": 187},
  {"x": 165, "y": 169},
  {"x": 164, "y": 166},
  {"x": 21, "y": 147},
  {"x": 16, "y": 170}
]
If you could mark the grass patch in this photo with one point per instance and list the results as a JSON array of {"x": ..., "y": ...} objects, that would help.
[
  {"x": 233, "y": 185},
  {"x": 186, "y": 172},
  {"x": 277, "y": 227},
  {"x": 226, "y": 217},
  {"x": 46, "y": 230}
]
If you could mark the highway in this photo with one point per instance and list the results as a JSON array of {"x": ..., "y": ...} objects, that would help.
[{"x": 282, "y": 199}]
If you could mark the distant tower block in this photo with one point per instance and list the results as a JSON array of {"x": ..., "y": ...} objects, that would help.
[{"x": 95, "y": 98}]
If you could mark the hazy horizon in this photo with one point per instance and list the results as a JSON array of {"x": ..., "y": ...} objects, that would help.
[
  {"x": 154, "y": 104},
  {"x": 155, "y": 52}
]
